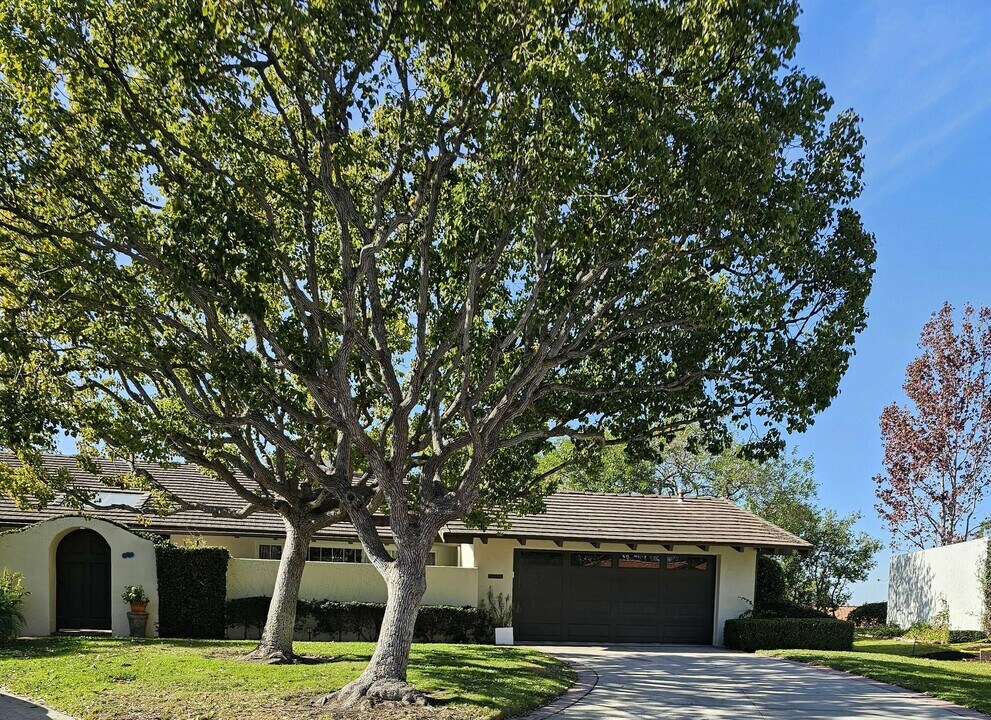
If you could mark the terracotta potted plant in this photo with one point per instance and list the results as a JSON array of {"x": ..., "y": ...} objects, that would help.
[{"x": 136, "y": 596}]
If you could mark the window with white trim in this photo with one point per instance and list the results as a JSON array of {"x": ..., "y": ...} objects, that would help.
[
  {"x": 335, "y": 554},
  {"x": 269, "y": 552}
]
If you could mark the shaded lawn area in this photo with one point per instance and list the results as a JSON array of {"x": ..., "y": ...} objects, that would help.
[
  {"x": 123, "y": 679},
  {"x": 966, "y": 683}
]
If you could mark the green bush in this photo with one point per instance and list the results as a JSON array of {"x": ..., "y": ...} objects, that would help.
[
  {"x": 966, "y": 636},
  {"x": 338, "y": 619},
  {"x": 869, "y": 614},
  {"x": 932, "y": 633},
  {"x": 769, "y": 585},
  {"x": 448, "y": 623},
  {"x": 12, "y": 594},
  {"x": 434, "y": 623},
  {"x": 751, "y": 634},
  {"x": 192, "y": 591},
  {"x": 774, "y": 609},
  {"x": 881, "y": 631},
  {"x": 252, "y": 612}
]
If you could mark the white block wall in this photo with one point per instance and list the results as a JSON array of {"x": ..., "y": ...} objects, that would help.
[{"x": 918, "y": 582}]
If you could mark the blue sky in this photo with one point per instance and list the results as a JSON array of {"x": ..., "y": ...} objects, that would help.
[{"x": 919, "y": 73}]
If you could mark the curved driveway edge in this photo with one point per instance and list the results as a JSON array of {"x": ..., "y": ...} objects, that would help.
[
  {"x": 585, "y": 681},
  {"x": 665, "y": 682},
  {"x": 14, "y": 707}
]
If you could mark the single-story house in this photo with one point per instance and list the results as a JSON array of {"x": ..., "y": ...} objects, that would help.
[
  {"x": 594, "y": 567},
  {"x": 924, "y": 583}
]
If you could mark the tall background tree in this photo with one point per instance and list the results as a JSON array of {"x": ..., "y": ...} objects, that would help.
[
  {"x": 782, "y": 490},
  {"x": 937, "y": 449},
  {"x": 431, "y": 236}
]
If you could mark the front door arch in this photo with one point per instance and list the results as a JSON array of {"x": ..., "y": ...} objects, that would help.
[{"x": 82, "y": 582}]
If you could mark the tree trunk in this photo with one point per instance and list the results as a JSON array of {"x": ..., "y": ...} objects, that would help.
[
  {"x": 385, "y": 676},
  {"x": 276, "y": 644}
]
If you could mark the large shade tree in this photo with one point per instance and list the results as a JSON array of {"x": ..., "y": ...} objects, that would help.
[
  {"x": 937, "y": 448},
  {"x": 407, "y": 244}
]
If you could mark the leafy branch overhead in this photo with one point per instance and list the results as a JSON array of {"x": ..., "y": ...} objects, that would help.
[{"x": 350, "y": 256}]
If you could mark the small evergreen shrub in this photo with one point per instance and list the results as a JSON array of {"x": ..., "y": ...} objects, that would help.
[
  {"x": 12, "y": 594},
  {"x": 966, "y": 636},
  {"x": 447, "y": 623},
  {"x": 930, "y": 633},
  {"x": 750, "y": 634},
  {"x": 352, "y": 619},
  {"x": 881, "y": 631},
  {"x": 869, "y": 614}
]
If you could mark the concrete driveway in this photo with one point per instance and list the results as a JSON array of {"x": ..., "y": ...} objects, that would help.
[{"x": 685, "y": 683}]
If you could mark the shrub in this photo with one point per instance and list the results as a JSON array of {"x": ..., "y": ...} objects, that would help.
[
  {"x": 252, "y": 612},
  {"x": 446, "y": 623},
  {"x": 869, "y": 614},
  {"x": 966, "y": 636},
  {"x": 931, "y": 633},
  {"x": 781, "y": 608},
  {"x": 348, "y": 618},
  {"x": 769, "y": 585},
  {"x": 192, "y": 591},
  {"x": 751, "y": 634},
  {"x": 12, "y": 594},
  {"x": 881, "y": 631}
]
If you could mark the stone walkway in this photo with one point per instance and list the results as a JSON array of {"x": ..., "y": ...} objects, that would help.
[{"x": 17, "y": 708}]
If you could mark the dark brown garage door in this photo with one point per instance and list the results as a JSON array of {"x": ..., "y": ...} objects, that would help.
[{"x": 613, "y": 597}]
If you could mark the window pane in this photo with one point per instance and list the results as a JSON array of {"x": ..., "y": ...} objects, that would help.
[
  {"x": 264, "y": 552},
  {"x": 639, "y": 560},
  {"x": 591, "y": 560},
  {"x": 276, "y": 552},
  {"x": 314, "y": 553},
  {"x": 687, "y": 562},
  {"x": 535, "y": 557}
]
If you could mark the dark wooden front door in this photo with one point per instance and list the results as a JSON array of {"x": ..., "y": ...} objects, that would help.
[
  {"x": 82, "y": 583},
  {"x": 614, "y": 597}
]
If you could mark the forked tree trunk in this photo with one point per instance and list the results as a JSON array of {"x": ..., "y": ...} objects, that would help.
[
  {"x": 276, "y": 644},
  {"x": 385, "y": 676}
]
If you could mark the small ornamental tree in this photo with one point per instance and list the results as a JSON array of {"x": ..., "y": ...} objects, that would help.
[
  {"x": 937, "y": 451},
  {"x": 406, "y": 245}
]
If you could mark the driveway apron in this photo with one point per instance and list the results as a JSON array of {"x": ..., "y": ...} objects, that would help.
[{"x": 687, "y": 683}]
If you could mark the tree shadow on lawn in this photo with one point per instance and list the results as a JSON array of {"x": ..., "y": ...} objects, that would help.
[{"x": 963, "y": 683}]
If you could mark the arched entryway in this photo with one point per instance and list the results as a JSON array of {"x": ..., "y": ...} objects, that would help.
[{"x": 82, "y": 583}]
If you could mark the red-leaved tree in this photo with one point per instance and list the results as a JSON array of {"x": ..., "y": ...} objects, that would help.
[{"x": 937, "y": 451}]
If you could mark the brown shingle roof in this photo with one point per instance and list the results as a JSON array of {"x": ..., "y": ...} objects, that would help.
[{"x": 592, "y": 517}]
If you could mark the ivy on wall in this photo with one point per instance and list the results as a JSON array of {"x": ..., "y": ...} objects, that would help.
[{"x": 192, "y": 591}]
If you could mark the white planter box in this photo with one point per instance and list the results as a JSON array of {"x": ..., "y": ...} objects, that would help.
[{"x": 504, "y": 636}]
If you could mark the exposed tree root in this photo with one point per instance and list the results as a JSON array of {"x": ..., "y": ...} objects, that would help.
[
  {"x": 374, "y": 692},
  {"x": 268, "y": 656}
]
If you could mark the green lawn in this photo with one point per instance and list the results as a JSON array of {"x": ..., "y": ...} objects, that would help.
[
  {"x": 962, "y": 682},
  {"x": 121, "y": 679}
]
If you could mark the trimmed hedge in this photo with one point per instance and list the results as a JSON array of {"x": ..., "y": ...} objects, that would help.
[
  {"x": 966, "y": 636},
  {"x": 775, "y": 609},
  {"x": 869, "y": 614},
  {"x": 434, "y": 623},
  {"x": 192, "y": 591},
  {"x": 750, "y": 634}
]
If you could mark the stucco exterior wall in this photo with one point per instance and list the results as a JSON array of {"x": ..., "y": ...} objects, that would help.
[
  {"x": 247, "y": 547},
  {"x": 919, "y": 581},
  {"x": 735, "y": 571},
  {"x": 349, "y": 581},
  {"x": 31, "y": 552}
]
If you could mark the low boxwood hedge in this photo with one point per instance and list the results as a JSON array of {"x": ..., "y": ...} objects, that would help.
[{"x": 750, "y": 634}]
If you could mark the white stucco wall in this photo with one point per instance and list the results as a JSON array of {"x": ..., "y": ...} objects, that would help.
[
  {"x": 349, "y": 581},
  {"x": 31, "y": 552},
  {"x": 735, "y": 571},
  {"x": 919, "y": 581}
]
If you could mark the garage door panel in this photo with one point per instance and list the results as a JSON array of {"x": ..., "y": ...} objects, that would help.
[{"x": 600, "y": 597}]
